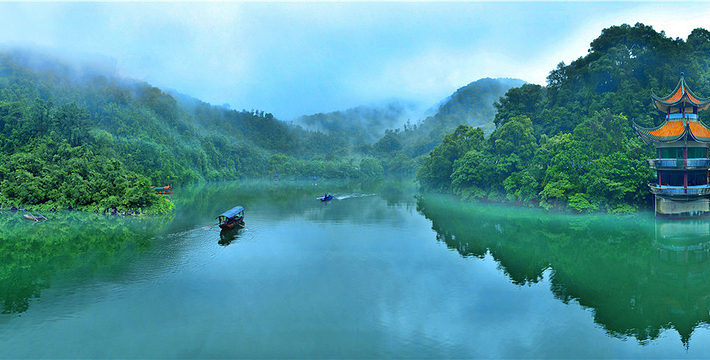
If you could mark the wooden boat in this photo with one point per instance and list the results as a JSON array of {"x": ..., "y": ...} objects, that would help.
[
  {"x": 162, "y": 190},
  {"x": 326, "y": 197},
  {"x": 231, "y": 218}
]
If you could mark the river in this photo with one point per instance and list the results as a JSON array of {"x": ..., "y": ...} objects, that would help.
[{"x": 378, "y": 272}]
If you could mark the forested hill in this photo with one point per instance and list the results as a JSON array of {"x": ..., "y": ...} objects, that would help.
[
  {"x": 571, "y": 142},
  {"x": 361, "y": 125},
  {"x": 403, "y": 149},
  {"x": 76, "y": 134},
  {"x": 473, "y": 104},
  {"x": 81, "y": 136}
]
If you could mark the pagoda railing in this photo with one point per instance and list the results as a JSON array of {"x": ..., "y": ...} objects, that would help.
[
  {"x": 678, "y": 163},
  {"x": 697, "y": 190},
  {"x": 680, "y": 116}
]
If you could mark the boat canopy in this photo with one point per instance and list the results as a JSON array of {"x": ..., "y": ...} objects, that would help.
[{"x": 232, "y": 212}]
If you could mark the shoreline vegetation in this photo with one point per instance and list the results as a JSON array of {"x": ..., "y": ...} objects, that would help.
[{"x": 165, "y": 207}]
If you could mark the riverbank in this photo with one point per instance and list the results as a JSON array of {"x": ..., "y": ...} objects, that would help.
[{"x": 161, "y": 206}]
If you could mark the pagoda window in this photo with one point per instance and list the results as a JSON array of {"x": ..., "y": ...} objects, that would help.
[
  {"x": 672, "y": 152},
  {"x": 672, "y": 178},
  {"x": 697, "y": 153},
  {"x": 697, "y": 177}
]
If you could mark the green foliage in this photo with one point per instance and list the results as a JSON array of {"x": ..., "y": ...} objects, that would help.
[
  {"x": 371, "y": 168},
  {"x": 580, "y": 203},
  {"x": 438, "y": 167},
  {"x": 521, "y": 186},
  {"x": 58, "y": 176},
  {"x": 515, "y": 137},
  {"x": 88, "y": 139},
  {"x": 571, "y": 143}
]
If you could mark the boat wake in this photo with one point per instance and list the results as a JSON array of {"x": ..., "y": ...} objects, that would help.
[{"x": 348, "y": 196}]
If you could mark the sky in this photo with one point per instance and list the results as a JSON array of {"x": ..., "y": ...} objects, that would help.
[{"x": 302, "y": 58}]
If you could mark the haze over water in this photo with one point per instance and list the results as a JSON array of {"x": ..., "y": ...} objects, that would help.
[{"x": 379, "y": 272}]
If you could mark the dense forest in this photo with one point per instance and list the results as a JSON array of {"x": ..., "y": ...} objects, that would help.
[
  {"x": 571, "y": 143},
  {"x": 78, "y": 135}
]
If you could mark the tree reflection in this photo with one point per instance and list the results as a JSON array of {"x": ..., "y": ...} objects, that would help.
[
  {"x": 639, "y": 275},
  {"x": 32, "y": 254}
]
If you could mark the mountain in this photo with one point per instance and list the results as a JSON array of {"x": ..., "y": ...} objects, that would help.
[
  {"x": 473, "y": 104},
  {"x": 81, "y": 136},
  {"x": 76, "y": 133},
  {"x": 360, "y": 125}
]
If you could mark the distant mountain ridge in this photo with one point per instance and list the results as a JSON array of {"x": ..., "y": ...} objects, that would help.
[
  {"x": 471, "y": 105},
  {"x": 361, "y": 125}
]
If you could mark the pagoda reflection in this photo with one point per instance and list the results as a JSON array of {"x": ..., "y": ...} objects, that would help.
[
  {"x": 683, "y": 250},
  {"x": 682, "y": 242}
]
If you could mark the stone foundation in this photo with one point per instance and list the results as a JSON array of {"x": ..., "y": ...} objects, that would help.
[{"x": 682, "y": 208}]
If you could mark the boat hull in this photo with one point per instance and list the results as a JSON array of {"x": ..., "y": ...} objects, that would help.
[
  {"x": 233, "y": 224},
  {"x": 34, "y": 218}
]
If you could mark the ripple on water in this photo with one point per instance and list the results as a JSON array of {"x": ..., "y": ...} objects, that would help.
[{"x": 189, "y": 251}]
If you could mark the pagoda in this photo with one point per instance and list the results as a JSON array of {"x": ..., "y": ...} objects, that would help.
[{"x": 682, "y": 188}]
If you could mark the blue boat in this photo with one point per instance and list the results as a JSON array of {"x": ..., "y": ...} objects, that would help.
[
  {"x": 231, "y": 218},
  {"x": 326, "y": 197}
]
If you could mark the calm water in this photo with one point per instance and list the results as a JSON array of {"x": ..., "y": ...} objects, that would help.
[{"x": 376, "y": 273}]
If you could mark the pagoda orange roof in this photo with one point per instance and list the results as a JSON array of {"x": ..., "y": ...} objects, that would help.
[
  {"x": 680, "y": 97},
  {"x": 699, "y": 131},
  {"x": 674, "y": 130}
]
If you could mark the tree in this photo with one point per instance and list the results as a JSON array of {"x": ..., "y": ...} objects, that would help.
[
  {"x": 371, "y": 168},
  {"x": 438, "y": 167},
  {"x": 515, "y": 137}
]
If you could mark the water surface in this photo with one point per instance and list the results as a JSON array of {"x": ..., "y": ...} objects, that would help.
[{"x": 379, "y": 272}]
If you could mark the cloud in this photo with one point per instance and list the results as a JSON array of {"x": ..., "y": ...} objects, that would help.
[{"x": 296, "y": 58}]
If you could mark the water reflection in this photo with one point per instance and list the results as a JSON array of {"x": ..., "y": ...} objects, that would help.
[
  {"x": 228, "y": 236},
  {"x": 683, "y": 250},
  {"x": 640, "y": 276},
  {"x": 32, "y": 254}
]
